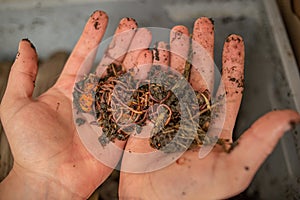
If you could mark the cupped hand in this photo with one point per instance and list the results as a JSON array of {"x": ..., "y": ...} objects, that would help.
[
  {"x": 49, "y": 158},
  {"x": 218, "y": 175}
]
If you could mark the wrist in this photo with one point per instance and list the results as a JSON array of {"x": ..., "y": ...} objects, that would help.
[{"x": 22, "y": 184}]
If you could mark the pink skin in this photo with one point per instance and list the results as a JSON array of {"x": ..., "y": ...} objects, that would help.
[
  {"x": 51, "y": 162},
  {"x": 219, "y": 175},
  {"x": 233, "y": 79},
  {"x": 162, "y": 54},
  {"x": 202, "y": 74},
  {"x": 179, "y": 46},
  {"x": 120, "y": 43},
  {"x": 141, "y": 41},
  {"x": 143, "y": 59}
]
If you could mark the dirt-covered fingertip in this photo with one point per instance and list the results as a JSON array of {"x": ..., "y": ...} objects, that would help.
[
  {"x": 127, "y": 23},
  {"x": 234, "y": 37},
  {"x": 204, "y": 21},
  {"x": 99, "y": 19},
  {"x": 26, "y": 51},
  {"x": 26, "y": 40},
  {"x": 180, "y": 29}
]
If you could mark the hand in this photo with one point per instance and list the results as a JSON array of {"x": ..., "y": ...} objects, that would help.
[
  {"x": 49, "y": 159},
  {"x": 219, "y": 175}
]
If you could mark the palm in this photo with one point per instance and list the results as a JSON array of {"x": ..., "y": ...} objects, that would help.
[
  {"x": 187, "y": 178},
  {"x": 53, "y": 148}
]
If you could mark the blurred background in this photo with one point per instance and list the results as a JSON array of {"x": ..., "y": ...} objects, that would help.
[{"x": 271, "y": 32}]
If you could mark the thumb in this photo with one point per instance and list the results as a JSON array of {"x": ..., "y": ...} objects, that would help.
[
  {"x": 23, "y": 72},
  {"x": 259, "y": 141}
]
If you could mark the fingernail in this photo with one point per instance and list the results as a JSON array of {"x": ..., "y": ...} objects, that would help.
[
  {"x": 98, "y": 13},
  {"x": 26, "y": 39},
  {"x": 293, "y": 124},
  {"x": 127, "y": 23},
  {"x": 204, "y": 21},
  {"x": 31, "y": 45},
  {"x": 234, "y": 37},
  {"x": 212, "y": 20}
]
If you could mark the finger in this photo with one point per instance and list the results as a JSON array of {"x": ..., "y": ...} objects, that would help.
[
  {"x": 232, "y": 81},
  {"x": 119, "y": 44},
  {"x": 179, "y": 47},
  {"x": 84, "y": 51},
  {"x": 258, "y": 142},
  {"x": 144, "y": 58},
  {"x": 144, "y": 64},
  {"x": 202, "y": 72},
  {"x": 161, "y": 54},
  {"x": 140, "y": 42},
  {"x": 23, "y": 72}
]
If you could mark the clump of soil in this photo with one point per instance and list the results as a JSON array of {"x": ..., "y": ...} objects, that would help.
[{"x": 123, "y": 104}]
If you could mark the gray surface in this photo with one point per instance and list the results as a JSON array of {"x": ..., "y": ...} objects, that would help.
[{"x": 266, "y": 84}]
